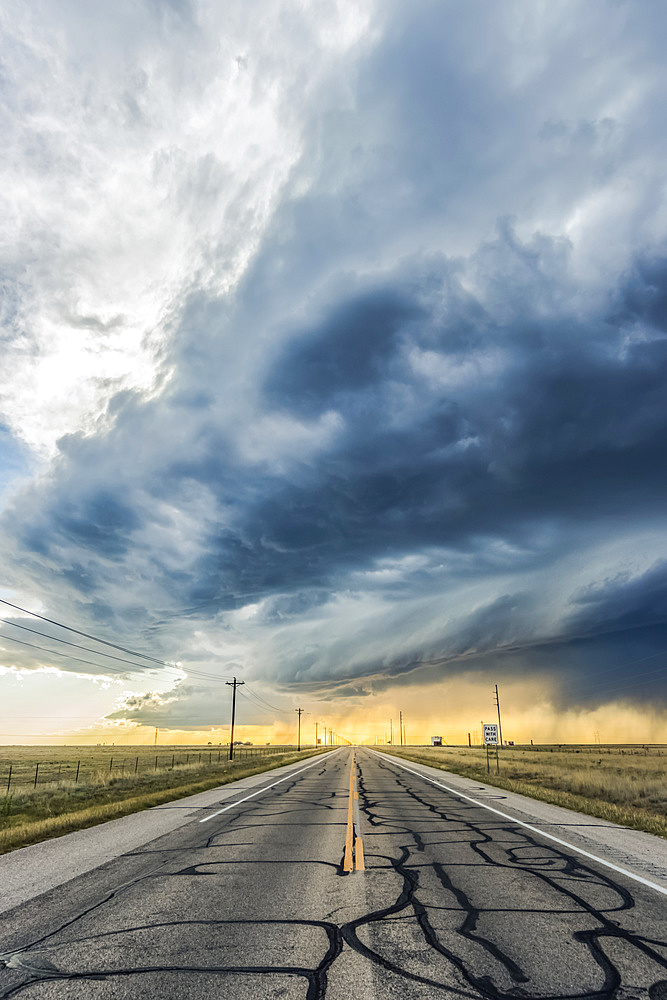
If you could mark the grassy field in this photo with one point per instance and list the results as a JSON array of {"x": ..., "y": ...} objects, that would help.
[
  {"x": 111, "y": 782},
  {"x": 626, "y": 785}
]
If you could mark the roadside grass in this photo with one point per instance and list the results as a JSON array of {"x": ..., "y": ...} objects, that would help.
[
  {"x": 31, "y": 815},
  {"x": 628, "y": 787}
]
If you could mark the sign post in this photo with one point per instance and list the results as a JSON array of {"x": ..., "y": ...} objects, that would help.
[{"x": 491, "y": 739}]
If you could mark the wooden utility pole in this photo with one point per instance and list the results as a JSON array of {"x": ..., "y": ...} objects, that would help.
[
  {"x": 316, "y": 725},
  {"x": 299, "y": 711},
  {"x": 233, "y": 684},
  {"x": 500, "y": 728}
]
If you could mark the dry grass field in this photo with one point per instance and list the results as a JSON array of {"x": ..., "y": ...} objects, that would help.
[
  {"x": 626, "y": 785},
  {"x": 77, "y": 787}
]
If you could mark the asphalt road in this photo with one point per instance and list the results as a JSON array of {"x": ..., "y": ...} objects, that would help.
[{"x": 305, "y": 890}]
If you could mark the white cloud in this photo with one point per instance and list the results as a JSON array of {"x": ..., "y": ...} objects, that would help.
[{"x": 143, "y": 158}]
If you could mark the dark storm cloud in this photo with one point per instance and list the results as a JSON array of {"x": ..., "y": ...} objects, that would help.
[
  {"x": 400, "y": 437},
  {"x": 565, "y": 427},
  {"x": 349, "y": 352},
  {"x": 570, "y": 425},
  {"x": 624, "y": 603}
]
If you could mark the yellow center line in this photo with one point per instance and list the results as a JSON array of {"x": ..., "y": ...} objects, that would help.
[{"x": 353, "y": 858}]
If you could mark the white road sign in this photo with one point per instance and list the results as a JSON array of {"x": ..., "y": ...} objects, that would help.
[{"x": 491, "y": 733}]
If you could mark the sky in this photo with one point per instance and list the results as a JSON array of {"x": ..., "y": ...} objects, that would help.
[{"x": 334, "y": 358}]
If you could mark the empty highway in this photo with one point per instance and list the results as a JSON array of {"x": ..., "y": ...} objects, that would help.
[{"x": 349, "y": 877}]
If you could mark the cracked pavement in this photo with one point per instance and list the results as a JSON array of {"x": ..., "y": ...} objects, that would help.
[{"x": 255, "y": 903}]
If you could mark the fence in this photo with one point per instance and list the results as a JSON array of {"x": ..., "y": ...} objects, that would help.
[{"x": 28, "y": 774}]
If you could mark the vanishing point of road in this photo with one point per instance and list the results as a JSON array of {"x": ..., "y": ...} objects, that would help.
[{"x": 352, "y": 876}]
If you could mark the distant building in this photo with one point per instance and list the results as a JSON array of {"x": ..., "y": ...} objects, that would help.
[{"x": 436, "y": 741}]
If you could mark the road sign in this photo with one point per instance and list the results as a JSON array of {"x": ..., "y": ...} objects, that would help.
[{"x": 491, "y": 734}]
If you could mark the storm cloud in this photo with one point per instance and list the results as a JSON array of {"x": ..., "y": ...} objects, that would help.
[{"x": 401, "y": 403}]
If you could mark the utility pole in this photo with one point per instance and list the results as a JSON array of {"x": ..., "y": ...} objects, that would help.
[
  {"x": 299, "y": 711},
  {"x": 316, "y": 725},
  {"x": 400, "y": 726},
  {"x": 500, "y": 728},
  {"x": 233, "y": 684},
  {"x": 156, "y": 736}
]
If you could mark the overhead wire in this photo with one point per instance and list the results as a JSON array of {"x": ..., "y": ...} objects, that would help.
[
  {"x": 246, "y": 697},
  {"x": 54, "y": 652},
  {"x": 165, "y": 664},
  {"x": 66, "y": 642},
  {"x": 266, "y": 703},
  {"x": 252, "y": 696},
  {"x": 88, "y": 635}
]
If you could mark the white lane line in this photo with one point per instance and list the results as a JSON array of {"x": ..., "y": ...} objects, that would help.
[
  {"x": 265, "y": 788},
  {"x": 534, "y": 829}
]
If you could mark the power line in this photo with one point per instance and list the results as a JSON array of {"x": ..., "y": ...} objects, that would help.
[
  {"x": 54, "y": 652},
  {"x": 190, "y": 672},
  {"x": 66, "y": 642},
  {"x": 87, "y": 635},
  {"x": 139, "y": 666},
  {"x": 105, "y": 666},
  {"x": 249, "y": 696},
  {"x": 267, "y": 704}
]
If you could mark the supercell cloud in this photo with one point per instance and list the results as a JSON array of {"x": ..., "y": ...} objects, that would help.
[{"x": 335, "y": 340}]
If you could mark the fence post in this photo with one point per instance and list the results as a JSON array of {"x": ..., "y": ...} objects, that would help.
[
  {"x": 36, "y": 773},
  {"x": 172, "y": 761},
  {"x": 9, "y": 779},
  {"x": 78, "y": 765},
  {"x": 136, "y": 764},
  {"x": 156, "y": 763},
  {"x": 110, "y": 765}
]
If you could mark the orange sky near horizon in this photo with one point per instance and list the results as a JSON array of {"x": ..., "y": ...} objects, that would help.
[{"x": 451, "y": 709}]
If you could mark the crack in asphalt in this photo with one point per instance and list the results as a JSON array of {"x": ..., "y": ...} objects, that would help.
[{"x": 498, "y": 847}]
